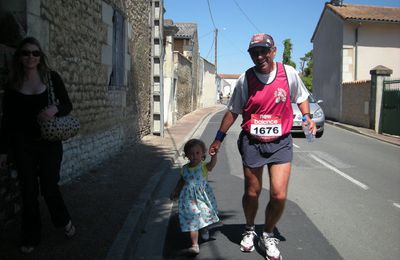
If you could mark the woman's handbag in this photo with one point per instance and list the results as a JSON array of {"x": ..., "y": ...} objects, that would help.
[{"x": 59, "y": 128}]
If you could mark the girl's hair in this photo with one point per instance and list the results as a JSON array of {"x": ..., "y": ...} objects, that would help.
[
  {"x": 193, "y": 142},
  {"x": 17, "y": 70}
]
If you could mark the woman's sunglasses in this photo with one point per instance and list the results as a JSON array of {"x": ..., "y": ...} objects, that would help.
[{"x": 27, "y": 53}]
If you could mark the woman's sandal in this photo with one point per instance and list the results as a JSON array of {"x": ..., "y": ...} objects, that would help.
[
  {"x": 69, "y": 230},
  {"x": 27, "y": 249}
]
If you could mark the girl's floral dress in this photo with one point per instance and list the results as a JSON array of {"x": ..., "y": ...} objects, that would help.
[{"x": 197, "y": 205}]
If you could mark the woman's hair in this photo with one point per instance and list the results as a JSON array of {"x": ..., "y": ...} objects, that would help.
[
  {"x": 17, "y": 70},
  {"x": 193, "y": 142}
]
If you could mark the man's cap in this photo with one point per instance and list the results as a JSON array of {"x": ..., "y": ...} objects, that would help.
[{"x": 261, "y": 40}]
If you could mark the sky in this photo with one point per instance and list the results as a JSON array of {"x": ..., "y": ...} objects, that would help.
[{"x": 238, "y": 20}]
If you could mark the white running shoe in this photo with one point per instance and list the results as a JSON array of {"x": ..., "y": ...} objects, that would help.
[
  {"x": 194, "y": 250},
  {"x": 269, "y": 245},
  {"x": 247, "y": 243}
]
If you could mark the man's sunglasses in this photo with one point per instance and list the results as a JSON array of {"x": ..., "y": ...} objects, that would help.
[
  {"x": 27, "y": 53},
  {"x": 261, "y": 51}
]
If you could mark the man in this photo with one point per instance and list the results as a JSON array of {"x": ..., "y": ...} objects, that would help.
[{"x": 263, "y": 96}]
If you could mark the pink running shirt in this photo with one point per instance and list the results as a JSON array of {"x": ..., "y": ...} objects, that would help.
[{"x": 268, "y": 112}]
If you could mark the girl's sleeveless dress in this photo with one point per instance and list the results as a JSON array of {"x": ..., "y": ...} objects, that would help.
[{"x": 197, "y": 206}]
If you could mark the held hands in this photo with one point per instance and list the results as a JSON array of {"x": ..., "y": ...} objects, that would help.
[
  {"x": 214, "y": 147},
  {"x": 47, "y": 113}
]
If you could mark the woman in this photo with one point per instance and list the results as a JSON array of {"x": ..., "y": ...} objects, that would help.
[{"x": 38, "y": 161}]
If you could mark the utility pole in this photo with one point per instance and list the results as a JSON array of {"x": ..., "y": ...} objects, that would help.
[{"x": 216, "y": 50}]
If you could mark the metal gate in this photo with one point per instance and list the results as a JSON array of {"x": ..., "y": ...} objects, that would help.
[{"x": 391, "y": 107}]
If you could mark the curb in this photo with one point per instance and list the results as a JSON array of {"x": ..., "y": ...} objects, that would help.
[
  {"x": 352, "y": 129},
  {"x": 379, "y": 137}
]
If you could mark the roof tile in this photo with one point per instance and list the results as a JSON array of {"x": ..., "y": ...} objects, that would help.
[{"x": 367, "y": 12}]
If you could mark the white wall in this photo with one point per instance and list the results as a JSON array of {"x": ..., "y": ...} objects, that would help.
[
  {"x": 209, "y": 87},
  {"x": 169, "y": 84},
  {"x": 379, "y": 44},
  {"x": 327, "y": 70}
]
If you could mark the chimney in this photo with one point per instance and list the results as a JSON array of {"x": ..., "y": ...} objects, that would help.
[{"x": 337, "y": 2}]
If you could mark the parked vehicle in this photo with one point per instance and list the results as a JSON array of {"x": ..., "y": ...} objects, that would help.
[{"x": 317, "y": 115}]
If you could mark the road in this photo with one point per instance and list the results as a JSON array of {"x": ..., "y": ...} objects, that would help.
[{"x": 343, "y": 202}]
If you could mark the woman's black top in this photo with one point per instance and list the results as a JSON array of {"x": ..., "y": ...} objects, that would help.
[{"x": 20, "y": 111}]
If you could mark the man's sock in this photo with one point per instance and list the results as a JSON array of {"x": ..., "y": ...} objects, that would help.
[{"x": 250, "y": 227}]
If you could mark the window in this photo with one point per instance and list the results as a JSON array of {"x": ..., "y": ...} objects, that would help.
[{"x": 118, "y": 50}]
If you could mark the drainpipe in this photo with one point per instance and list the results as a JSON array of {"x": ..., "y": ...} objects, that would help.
[{"x": 356, "y": 53}]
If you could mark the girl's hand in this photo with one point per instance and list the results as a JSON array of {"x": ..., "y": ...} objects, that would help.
[
  {"x": 3, "y": 161},
  {"x": 173, "y": 196},
  {"x": 47, "y": 113}
]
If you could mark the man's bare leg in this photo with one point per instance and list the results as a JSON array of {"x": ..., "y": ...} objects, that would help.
[
  {"x": 279, "y": 178},
  {"x": 252, "y": 190}
]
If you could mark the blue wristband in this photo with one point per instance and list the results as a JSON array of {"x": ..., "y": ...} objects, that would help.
[{"x": 220, "y": 136}]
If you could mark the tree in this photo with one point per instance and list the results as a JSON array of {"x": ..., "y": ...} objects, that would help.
[
  {"x": 307, "y": 69},
  {"x": 287, "y": 53},
  {"x": 307, "y": 64}
]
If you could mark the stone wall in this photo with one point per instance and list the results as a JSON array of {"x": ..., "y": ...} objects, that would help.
[
  {"x": 184, "y": 85},
  {"x": 355, "y": 103},
  {"x": 111, "y": 116}
]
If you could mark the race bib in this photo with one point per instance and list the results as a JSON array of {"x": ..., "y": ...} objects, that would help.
[{"x": 265, "y": 125}]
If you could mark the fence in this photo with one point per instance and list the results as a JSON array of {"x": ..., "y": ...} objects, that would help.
[{"x": 391, "y": 107}]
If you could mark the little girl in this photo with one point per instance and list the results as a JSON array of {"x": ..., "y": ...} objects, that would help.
[{"x": 197, "y": 206}]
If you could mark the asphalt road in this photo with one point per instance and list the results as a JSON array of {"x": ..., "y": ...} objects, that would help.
[{"x": 343, "y": 202}]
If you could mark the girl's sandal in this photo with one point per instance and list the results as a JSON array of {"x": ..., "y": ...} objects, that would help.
[{"x": 69, "y": 230}]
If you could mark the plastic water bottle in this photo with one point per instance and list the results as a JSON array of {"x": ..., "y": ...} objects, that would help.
[{"x": 309, "y": 136}]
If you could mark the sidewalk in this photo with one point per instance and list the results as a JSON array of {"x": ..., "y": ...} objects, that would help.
[
  {"x": 110, "y": 204},
  {"x": 392, "y": 139}
]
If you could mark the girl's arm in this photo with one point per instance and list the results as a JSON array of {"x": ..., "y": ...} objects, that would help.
[
  {"x": 211, "y": 164},
  {"x": 177, "y": 190}
]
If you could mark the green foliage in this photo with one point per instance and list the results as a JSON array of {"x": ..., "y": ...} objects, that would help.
[
  {"x": 287, "y": 53},
  {"x": 307, "y": 64},
  {"x": 307, "y": 69},
  {"x": 307, "y": 80}
]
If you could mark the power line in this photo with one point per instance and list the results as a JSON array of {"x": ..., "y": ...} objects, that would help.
[
  {"x": 209, "y": 9},
  {"x": 204, "y": 35},
  {"x": 212, "y": 45},
  {"x": 245, "y": 15},
  {"x": 215, "y": 42}
]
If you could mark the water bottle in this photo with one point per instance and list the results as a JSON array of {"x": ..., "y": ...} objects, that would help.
[{"x": 309, "y": 136}]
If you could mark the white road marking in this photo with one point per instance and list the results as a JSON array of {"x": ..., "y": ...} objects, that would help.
[
  {"x": 397, "y": 205},
  {"x": 344, "y": 175},
  {"x": 295, "y": 145}
]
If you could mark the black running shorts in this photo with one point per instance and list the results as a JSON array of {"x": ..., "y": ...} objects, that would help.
[{"x": 256, "y": 153}]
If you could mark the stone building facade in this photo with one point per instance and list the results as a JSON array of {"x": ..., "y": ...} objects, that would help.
[
  {"x": 102, "y": 50},
  {"x": 184, "y": 85},
  {"x": 187, "y": 45}
]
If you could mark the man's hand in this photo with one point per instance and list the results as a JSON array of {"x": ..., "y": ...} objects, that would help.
[{"x": 312, "y": 126}]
